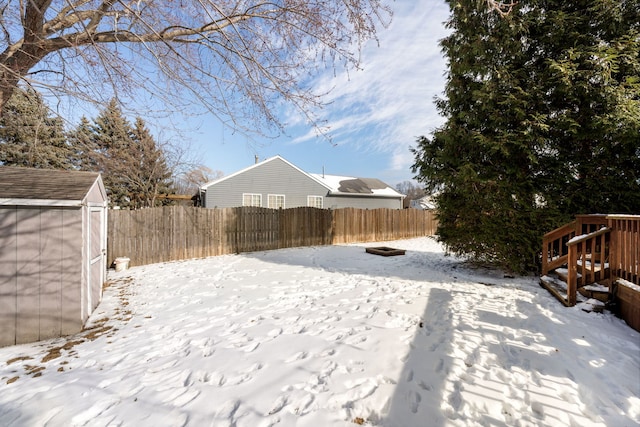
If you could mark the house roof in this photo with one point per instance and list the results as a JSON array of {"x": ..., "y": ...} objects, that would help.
[
  {"x": 336, "y": 185},
  {"x": 270, "y": 159},
  {"x": 45, "y": 184},
  {"x": 353, "y": 186},
  {"x": 424, "y": 202}
]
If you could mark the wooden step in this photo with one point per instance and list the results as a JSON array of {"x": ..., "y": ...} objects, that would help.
[
  {"x": 557, "y": 287},
  {"x": 563, "y": 274},
  {"x": 596, "y": 291}
]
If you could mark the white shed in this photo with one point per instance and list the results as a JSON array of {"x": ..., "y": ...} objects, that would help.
[{"x": 53, "y": 239}]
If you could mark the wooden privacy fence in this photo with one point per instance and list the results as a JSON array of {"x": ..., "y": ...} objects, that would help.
[{"x": 148, "y": 236}]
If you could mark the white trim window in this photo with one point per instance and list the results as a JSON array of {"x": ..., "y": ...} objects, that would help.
[
  {"x": 251, "y": 199},
  {"x": 314, "y": 201},
  {"x": 275, "y": 201}
]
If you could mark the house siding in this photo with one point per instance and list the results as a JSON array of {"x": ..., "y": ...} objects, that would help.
[
  {"x": 273, "y": 177},
  {"x": 362, "y": 202}
]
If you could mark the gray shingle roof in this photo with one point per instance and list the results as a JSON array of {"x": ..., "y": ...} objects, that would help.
[{"x": 45, "y": 184}]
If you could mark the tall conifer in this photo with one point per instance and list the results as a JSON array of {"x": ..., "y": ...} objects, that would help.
[
  {"x": 153, "y": 176},
  {"x": 543, "y": 116},
  {"x": 134, "y": 168},
  {"x": 31, "y": 136}
]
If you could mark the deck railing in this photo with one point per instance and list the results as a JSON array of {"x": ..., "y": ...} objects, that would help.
[
  {"x": 587, "y": 261},
  {"x": 625, "y": 247},
  {"x": 595, "y": 248},
  {"x": 554, "y": 244}
]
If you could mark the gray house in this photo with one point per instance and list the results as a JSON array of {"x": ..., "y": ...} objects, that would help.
[
  {"x": 276, "y": 183},
  {"x": 52, "y": 251}
]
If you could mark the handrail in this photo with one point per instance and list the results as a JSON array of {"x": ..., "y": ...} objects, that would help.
[
  {"x": 595, "y": 248},
  {"x": 591, "y": 252},
  {"x": 554, "y": 253},
  {"x": 583, "y": 237},
  {"x": 554, "y": 249},
  {"x": 561, "y": 230}
]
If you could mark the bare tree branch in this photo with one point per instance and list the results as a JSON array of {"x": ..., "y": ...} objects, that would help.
[
  {"x": 239, "y": 58},
  {"x": 502, "y": 8}
]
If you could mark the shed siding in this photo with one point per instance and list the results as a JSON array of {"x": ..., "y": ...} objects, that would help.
[
  {"x": 8, "y": 276},
  {"x": 44, "y": 252},
  {"x": 95, "y": 196},
  {"x": 70, "y": 315},
  {"x": 274, "y": 177},
  {"x": 28, "y": 263},
  {"x": 50, "y": 284},
  {"x": 40, "y": 253}
]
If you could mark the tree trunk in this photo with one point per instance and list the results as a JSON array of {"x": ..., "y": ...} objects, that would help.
[
  {"x": 14, "y": 68},
  {"x": 20, "y": 57}
]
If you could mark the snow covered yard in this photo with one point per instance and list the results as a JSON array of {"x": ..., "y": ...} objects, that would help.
[{"x": 328, "y": 336}]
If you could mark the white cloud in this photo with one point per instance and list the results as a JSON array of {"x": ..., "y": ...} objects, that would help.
[{"x": 388, "y": 103}]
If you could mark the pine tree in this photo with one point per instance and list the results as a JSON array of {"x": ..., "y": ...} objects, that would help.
[
  {"x": 84, "y": 147},
  {"x": 153, "y": 176},
  {"x": 541, "y": 106},
  {"x": 107, "y": 152},
  {"x": 31, "y": 136},
  {"x": 133, "y": 167}
]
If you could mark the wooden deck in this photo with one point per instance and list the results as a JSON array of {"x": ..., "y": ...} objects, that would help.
[{"x": 587, "y": 259}]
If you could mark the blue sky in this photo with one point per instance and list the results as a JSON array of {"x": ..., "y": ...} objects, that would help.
[{"x": 375, "y": 114}]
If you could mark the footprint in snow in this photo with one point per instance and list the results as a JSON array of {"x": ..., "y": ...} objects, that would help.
[
  {"x": 251, "y": 347},
  {"x": 238, "y": 379},
  {"x": 277, "y": 406},
  {"x": 298, "y": 356},
  {"x": 414, "y": 400},
  {"x": 355, "y": 340},
  {"x": 424, "y": 386},
  {"x": 107, "y": 382},
  {"x": 274, "y": 332},
  {"x": 93, "y": 412},
  {"x": 216, "y": 378},
  {"x": 179, "y": 397},
  {"x": 410, "y": 375},
  {"x": 226, "y": 413}
]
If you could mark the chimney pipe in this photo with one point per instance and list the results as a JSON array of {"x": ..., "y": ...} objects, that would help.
[{"x": 256, "y": 158}]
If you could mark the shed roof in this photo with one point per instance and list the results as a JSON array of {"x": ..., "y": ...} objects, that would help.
[{"x": 44, "y": 184}]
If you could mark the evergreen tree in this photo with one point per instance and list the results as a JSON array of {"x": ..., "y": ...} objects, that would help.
[
  {"x": 107, "y": 146},
  {"x": 30, "y": 136},
  {"x": 133, "y": 167},
  {"x": 543, "y": 113},
  {"x": 84, "y": 147},
  {"x": 153, "y": 176}
]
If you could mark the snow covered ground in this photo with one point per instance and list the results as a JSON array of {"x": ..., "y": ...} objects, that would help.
[{"x": 328, "y": 336}]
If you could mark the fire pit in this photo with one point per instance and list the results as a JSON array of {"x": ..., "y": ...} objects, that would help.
[{"x": 385, "y": 251}]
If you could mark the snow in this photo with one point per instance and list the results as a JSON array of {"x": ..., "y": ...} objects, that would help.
[
  {"x": 334, "y": 182},
  {"x": 328, "y": 336},
  {"x": 596, "y": 287},
  {"x": 584, "y": 236},
  {"x": 629, "y": 285}
]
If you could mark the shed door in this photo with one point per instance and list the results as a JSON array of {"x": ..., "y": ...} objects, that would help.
[{"x": 97, "y": 256}]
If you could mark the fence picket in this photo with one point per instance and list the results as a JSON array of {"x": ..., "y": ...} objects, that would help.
[{"x": 173, "y": 233}]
